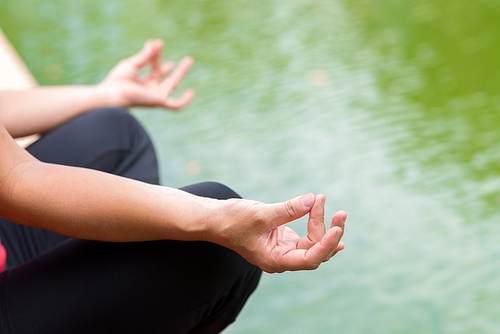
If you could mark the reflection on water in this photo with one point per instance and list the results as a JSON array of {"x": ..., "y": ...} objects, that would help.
[{"x": 389, "y": 108}]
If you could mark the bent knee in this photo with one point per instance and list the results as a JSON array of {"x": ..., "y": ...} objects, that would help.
[{"x": 211, "y": 189}]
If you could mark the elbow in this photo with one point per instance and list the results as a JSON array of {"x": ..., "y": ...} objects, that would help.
[{"x": 12, "y": 188}]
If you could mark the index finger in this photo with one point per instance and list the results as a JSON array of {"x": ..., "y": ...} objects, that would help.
[
  {"x": 155, "y": 71},
  {"x": 176, "y": 77},
  {"x": 142, "y": 57},
  {"x": 316, "y": 223}
]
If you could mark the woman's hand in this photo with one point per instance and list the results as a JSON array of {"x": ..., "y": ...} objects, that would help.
[
  {"x": 40, "y": 109},
  {"x": 256, "y": 231},
  {"x": 126, "y": 87}
]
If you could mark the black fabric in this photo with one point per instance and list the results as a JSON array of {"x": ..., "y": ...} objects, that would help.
[
  {"x": 56, "y": 284},
  {"x": 110, "y": 140}
]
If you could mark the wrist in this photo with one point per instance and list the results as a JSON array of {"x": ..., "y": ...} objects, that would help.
[
  {"x": 188, "y": 217},
  {"x": 227, "y": 223},
  {"x": 110, "y": 95},
  {"x": 92, "y": 97}
]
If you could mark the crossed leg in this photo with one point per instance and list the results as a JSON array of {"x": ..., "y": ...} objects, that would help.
[{"x": 57, "y": 284}]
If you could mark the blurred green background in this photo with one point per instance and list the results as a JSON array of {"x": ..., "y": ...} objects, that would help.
[{"x": 388, "y": 107}]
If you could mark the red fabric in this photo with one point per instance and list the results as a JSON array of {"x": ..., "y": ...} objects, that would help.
[{"x": 3, "y": 257}]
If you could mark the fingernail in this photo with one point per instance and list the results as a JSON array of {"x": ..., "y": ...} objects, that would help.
[
  {"x": 307, "y": 200},
  {"x": 338, "y": 233}
]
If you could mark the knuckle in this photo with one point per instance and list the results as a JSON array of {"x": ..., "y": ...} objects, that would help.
[
  {"x": 261, "y": 217},
  {"x": 291, "y": 209}
]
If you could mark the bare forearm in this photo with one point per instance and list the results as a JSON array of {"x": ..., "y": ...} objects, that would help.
[
  {"x": 88, "y": 204},
  {"x": 39, "y": 109}
]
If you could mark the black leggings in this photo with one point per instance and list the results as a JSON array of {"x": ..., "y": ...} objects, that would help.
[{"x": 56, "y": 284}]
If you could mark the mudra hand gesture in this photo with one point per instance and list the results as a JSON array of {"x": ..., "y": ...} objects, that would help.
[
  {"x": 257, "y": 232},
  {"x": 127, "y": 87}
]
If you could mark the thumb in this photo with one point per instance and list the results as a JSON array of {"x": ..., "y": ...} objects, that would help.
[{"x": 293, "y": 209}]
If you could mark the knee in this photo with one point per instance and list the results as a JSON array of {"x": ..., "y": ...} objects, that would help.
[
  {"x": 211, "y": 189},
  {"x": 114, "y": 118},
  {"x": 119, "y": 125},
  {"x": 107, "y": 124}
]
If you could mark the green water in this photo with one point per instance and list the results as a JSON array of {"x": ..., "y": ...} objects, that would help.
[{"x": 390, "y": 108}]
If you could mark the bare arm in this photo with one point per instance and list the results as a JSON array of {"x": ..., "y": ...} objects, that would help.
[
  {"x": 39, "y": 109},
  {"x": 88, "y": 204}
]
